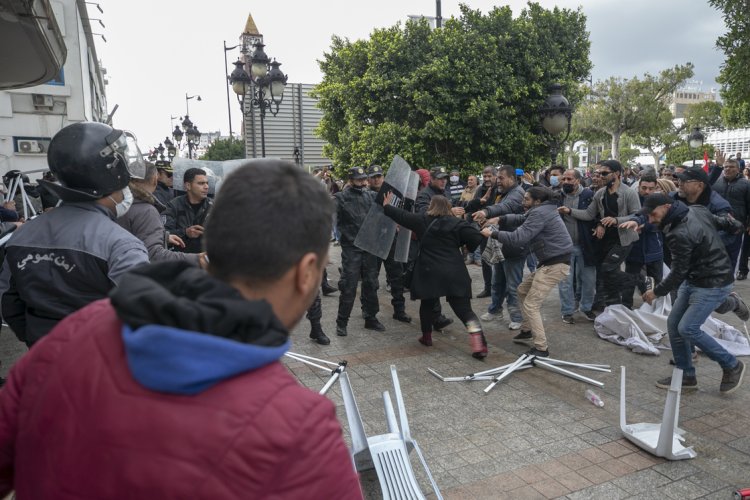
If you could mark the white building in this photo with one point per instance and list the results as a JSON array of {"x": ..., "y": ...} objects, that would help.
[{"x": 31, "y": 116}]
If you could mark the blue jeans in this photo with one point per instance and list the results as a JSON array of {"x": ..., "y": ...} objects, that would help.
[
  {"x": 580, "y": 282},
  {"x": 513, "y": 276},
  {"x": 691, "y": 309}
]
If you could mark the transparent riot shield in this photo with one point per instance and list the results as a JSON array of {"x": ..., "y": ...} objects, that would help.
[
  {"x": 403, "y": 239},
  {"x": 377, "y": 231}
]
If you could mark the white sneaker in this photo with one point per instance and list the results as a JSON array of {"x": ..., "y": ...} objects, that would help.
[
  {"x": 488, "y": 316},
  {"x": 514, "y": 325}
]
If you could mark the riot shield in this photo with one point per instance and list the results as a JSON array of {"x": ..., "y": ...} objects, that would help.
[
  {"x": 403, "y": 239},
  {"x": 377, "y": 231},
  {"x": 216, "y": 171}
]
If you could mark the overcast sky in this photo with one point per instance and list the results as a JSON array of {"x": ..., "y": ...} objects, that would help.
[{"x": 157, "y": 51}]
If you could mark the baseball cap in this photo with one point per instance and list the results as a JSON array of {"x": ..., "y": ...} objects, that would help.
[
  {"x": 439, "y": 172},
  {"x": 519, "y": 172},
  {"x": 357, "y": 173},
  {"x": 655, "y": 200},
  {"x": 693, "y": 174},
  {"x": 375, "y": 170}
]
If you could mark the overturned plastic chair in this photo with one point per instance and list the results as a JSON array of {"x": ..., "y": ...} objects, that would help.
[
  {"x": 664, "y": 439},
  {"x": 387, "y": 453}
]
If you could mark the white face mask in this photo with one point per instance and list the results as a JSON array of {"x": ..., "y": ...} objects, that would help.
[
  {"x": 454, "y": 178},
  {"x": 127, "y": 200}
]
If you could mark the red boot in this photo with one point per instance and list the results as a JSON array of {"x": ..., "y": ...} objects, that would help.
[
  {"x": 478, "y": 345},
  {"x": 426, "y": 339}
]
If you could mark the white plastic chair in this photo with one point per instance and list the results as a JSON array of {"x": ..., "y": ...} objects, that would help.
[
  {"x": 664, "y": 439},
  {"x": 387, "y": 453}
]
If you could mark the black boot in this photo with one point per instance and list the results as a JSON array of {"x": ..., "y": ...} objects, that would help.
[
  {"x": 317, "y": 334},
  {"x": 484, "y": 293},
  {"x": 441, "y": 322},
  {"x": 402, "y": 317},
  {"x": 374, "y": 324},
  {"x": 341, "y": 329},
  {"x": 328, "y": 289}
]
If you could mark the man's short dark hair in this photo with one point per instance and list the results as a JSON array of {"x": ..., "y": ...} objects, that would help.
[
  {"x": 508, "y": 170},
  {"x": 489, "y": 170},
  {"x": 556, "y": 167},
  {"x": 191, "y": 173},
  {"x": 648, "y": 177},
  {"x": 613, "y": 165},
  {"x": 267, "y": 215}
]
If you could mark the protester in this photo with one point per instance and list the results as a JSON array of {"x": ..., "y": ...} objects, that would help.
[
  {"x": 182, "y": 394},
  {"x": 702, "y": 274},
  {"x": 186, "y": 215},
  {"x": 439, "y": 270},
  {"x": 455, "y": 187},
  {"x": 544, "y": 231}
]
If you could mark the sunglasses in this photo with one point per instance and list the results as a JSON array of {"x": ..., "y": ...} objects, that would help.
[{"x": 604, "y": 174}]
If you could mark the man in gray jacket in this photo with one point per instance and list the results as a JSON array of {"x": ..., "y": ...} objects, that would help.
[
  {"x": 612, "y": 205},
  {"x": 507, "y": 274}
]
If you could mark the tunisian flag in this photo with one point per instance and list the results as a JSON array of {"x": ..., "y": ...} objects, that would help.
[{"x": 705, "y": 161}]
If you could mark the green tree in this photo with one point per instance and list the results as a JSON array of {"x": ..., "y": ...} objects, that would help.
[
  {"x": 466, "y": 94},
  {"x": 704, "y": 114},
  {"x": 225, "y": 149},
  {"x": 735, "y": 43},
  {"x": 638, "y": 107},
  {"x": 682, "y": 153}
]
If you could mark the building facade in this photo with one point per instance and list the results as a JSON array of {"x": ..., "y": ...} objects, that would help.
[{"x": 31, "y": 116}]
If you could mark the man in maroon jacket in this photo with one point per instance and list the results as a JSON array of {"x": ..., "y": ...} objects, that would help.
[{"x": 172, "y": 387}]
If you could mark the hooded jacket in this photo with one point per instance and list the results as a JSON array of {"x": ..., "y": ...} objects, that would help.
[{"x": 181, "y": 395}]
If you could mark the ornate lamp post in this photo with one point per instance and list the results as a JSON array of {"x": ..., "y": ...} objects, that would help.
[
  {"x": 555, "y": 115},
  {"x": 264, "y": 86},
  {"x": 190, "y": 133},
  {"x": 695, "y": 141}
]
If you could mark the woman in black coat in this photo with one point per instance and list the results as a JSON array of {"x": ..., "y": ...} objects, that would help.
[{"x": 439, "y": 270}]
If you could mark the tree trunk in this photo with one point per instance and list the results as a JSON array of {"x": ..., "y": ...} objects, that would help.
[{"x": 616, "y": 146}]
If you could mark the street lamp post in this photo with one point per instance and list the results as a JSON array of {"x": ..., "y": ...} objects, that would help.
[
  {"x": 695, "y": 141},
  {"x": 555, "y": 115},
  {"x": 187, "y": 102},
  {"x": 189, "y": 132},
  {"x": 226, "y": 70},
  {"x": 266, "y": 82}
]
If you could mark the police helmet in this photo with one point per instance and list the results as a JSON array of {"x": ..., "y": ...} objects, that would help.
[{"x": 92, "y": 160}]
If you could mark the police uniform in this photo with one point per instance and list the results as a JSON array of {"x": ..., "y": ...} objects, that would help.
[
  {"x": 352, "y": 206},
  {"x": 394, "y": 271}
]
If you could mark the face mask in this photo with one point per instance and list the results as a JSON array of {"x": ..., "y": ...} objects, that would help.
[
  {"x": 454, "y": 178},
  {"x": 568, "y": 188},
  {"x": 127, "y": 200},
  {"x": 554, "y": 181}
]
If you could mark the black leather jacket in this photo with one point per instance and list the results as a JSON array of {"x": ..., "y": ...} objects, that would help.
[
  {"x": 352, "y": 205},
  {"x": 179, "y": 216},
  {"x": 698, "y": 254}
]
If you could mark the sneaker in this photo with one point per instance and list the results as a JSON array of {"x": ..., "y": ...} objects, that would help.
[
  {"x": 374, "y": 324},
  {"x": 741, "y": 310},
  {"x": 589, "y": 315},
  {"x": 523, "y": 338},
  {"x": 538, "y": 353},
  {"x": 441, "y": 323},
  {"x": 490, "y": 316},
  {"x": 741, "y": 276},
  {"x": 732, "y": 379},
  {"x": 514, "y": 325},
  {"x": 483, "y": 294},
  {"x": 569, "y": 319},
  {"x": 688, "y": 383}
]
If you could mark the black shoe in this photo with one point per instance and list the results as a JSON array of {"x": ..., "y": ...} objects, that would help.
[
  {"x": 741, "y": 276},
  {"x": 569, "y": 319},
  {"x": 741, "y": 310},
  {"x": 441, "y": 322},
  {"x": 328, "y": 289},
  {"x": 318, "y": 336},
  {"x": 589, "y": 315},
  {"x": 402, "y": 317},
  {"x": 374, "y": 324},
  {"x": 538, "y": 353},
  {"x": 341, "y": 330},
  {"x": 732, "y": 379},
  {"x": 688, "y": 383},
  {"x": 523, "y": 338},
  {"x": 2, "y": 381},
  {"x": 484, "y": 293}
]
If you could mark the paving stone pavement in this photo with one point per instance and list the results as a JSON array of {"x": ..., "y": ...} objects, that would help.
[{"x": 534, "y": 435}]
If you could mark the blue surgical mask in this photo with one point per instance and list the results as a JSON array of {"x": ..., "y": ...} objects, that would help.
[{"x": 554, "y": 180}]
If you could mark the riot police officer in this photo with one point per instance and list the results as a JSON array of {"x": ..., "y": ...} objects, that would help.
[
  {"x": 352, "y": 206},
  {"x": 393, "y": 270}
]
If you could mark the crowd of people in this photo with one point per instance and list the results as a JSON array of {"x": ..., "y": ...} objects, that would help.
[{"x": 156, "y": 319}]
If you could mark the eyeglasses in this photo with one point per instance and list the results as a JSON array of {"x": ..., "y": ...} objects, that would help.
[{"x": 604, "y": 174}]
